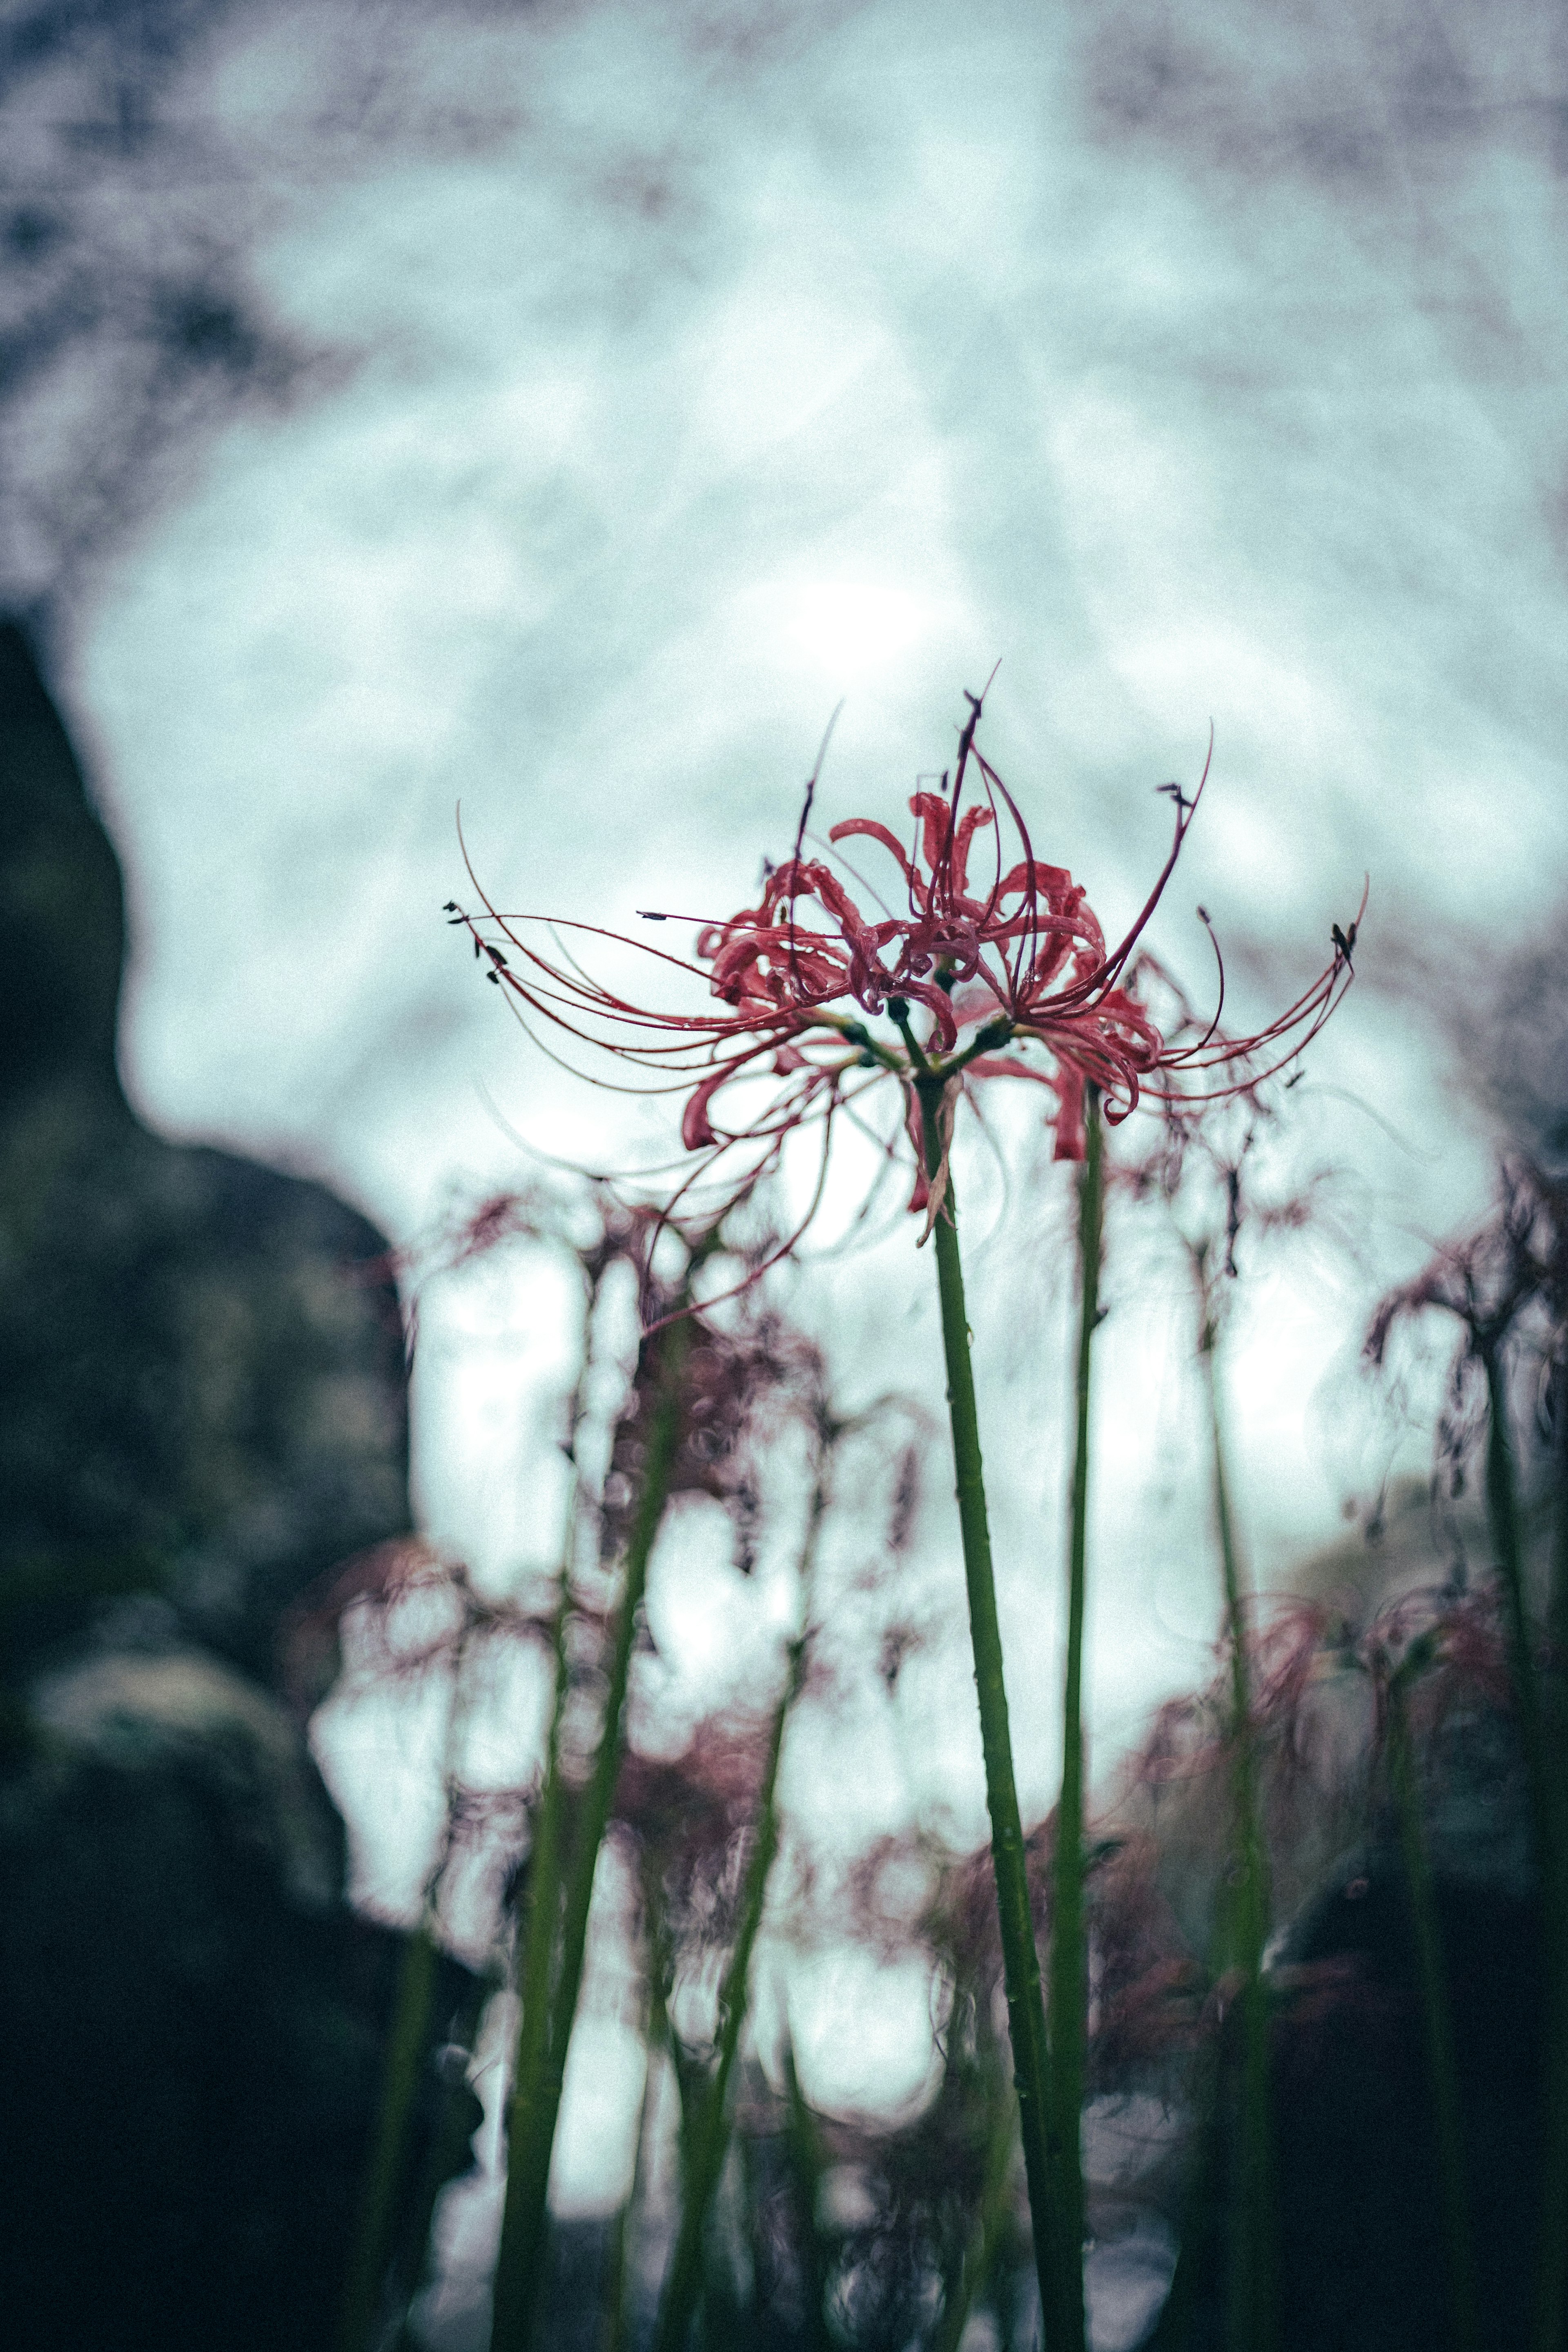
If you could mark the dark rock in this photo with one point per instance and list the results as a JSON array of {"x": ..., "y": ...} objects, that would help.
[
  {"x": 190, "y": 2022},
  {"x": 202, "y": 1410},
  {"x": 1361, "y": 2261},
  {"x": 1359, "y": 2189},
  {"x": 201, "y": 1359}
]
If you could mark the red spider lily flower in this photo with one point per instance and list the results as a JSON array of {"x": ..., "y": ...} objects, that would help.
[{"x": 1010, "y": 956}]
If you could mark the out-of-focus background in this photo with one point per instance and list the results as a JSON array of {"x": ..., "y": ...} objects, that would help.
[{"x": 561, "y": 410}]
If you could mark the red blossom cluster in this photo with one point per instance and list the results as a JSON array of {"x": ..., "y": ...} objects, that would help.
[
  {"x": 1015, "y": 958},
  {"x": 1023, "y": 959}
]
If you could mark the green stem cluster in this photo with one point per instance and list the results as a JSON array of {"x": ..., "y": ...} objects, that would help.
[
  {"x": 1543, "y": 1774},
  {"x": 1464, "y": 2311},
  {"x": 1020, "y": 1960},
  {"x": 805, "y": 2170},
  {"x": 362, "y": 2308},
  {"x": 530, "y": 2119},
  {"x": 541, "y": 2055},
  {"x": 983, "y": 2245},
  {"x": 1557, "y": 1598},
  {"x": 386, "y": 2175},
  {"x": 1251, "y": 2290},
  {"x": 1067, "y": 2020},
  {"x": 656, "y": 2037},
  {"x": 709, "y": 2135},
  {"x": 1553, "y": 2269}
]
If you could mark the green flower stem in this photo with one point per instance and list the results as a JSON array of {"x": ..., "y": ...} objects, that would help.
[
  {"x": 709, "y": 2135},
  {"x": 450, "y": 2153},
  {"x": 754, "y": 2222},
  {"x": 805, "y": 2176},
  {"x": 531, "y": 2133},
  {"x": 540, "y": 1915},
  {"x": 1198, "y": 2220},
  {"x": 1557, "y": 1620},
  {"x": 1021, "y": 1964},
  {"x": 1067, "y": 2013},
  {"x": 360, "y": 2321},
  {"x": 659, "y": 2041},
  {"x": 530, "y": 2119},
  {"x": 1545, "y": 1794},
  {"x": 1464, "y": 2313},
  {"x": 662, "y": 2033},
  {"x": 617, "y": 2317},
  {"x": 613, "y": 2335},
  {"x": 1502, "y": 1512},
  {"x": 985, "y": 2231},
  {"x": 1554, "y": 2281},
  {"x": 1251, "y": 2294},
  {"x": 386, "y": 2173}
]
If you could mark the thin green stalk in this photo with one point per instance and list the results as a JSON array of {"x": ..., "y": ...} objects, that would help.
[
  {"x": 613, "y": 2335},
  {"x": 1197, "y": 2221},
  {"x": 1464, "y": 2311},
  {"x": 624, "y": 2240},
  {"x": 1543, "y": 1773},
  {"x": 1502, "y": 1512},
  {"x": 806, "y": 2176},
  {"x": 360, "y": 2321},
  {"x": 985, "y": 2231},
  {"x": 385, "y": 2174},
  {"x": 526, "y": 2116},
  {"x": 450, "y": 2153},
  {"x": 723, "y": 2324},
  {"x": 1557, "y": 1619},
  {"x": 1021, "y": 1963},
  {"x": 709, "y": 2137},
  {"x": 1553, "y": 2277},
  {"x": 530, "y": 2119},
  {"x": 525, "y": 2220},
  {"x": 1067, "y": 2017},
  {"x": 1006, "y": 2304},
  {"x": 661, "y": 2033},
  {"x": 752, "y": 2222},
  {"x": 1252, "y": 2325}
]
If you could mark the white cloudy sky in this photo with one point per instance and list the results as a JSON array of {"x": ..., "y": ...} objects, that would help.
[{"x": 671, "y": 372}]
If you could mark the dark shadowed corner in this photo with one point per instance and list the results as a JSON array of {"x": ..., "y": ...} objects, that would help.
[{"x": 202, "y": 1410}]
